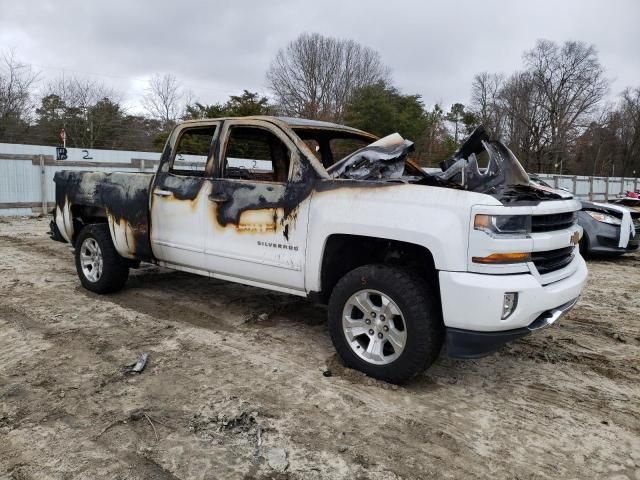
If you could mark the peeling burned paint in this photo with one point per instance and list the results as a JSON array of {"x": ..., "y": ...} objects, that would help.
[
  {"x": 64, "y": 219},
  {"x": 182, "y": 187},
  {"x": 122, "y": 235},
  {"x": 245, "y": 197},
  {"x": 121, "y": 198},
  {"x": 265, "y": 220}
]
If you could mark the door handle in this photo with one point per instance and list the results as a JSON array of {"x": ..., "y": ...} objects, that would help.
[
  {"x": 162, "y": 193},
  {"x": 219, "y": 197}
]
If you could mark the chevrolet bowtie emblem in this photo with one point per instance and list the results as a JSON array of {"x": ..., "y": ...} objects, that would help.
[{"x": 575, "y": 238}]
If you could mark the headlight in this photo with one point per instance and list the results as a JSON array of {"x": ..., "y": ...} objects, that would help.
[
  {"x": 604, "y": 218},
  {"x": 503, "y": 225}
]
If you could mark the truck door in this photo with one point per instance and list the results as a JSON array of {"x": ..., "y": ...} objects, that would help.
[
  {"x": 256, "y": 228},
  {"x": 179, "y": 198}
]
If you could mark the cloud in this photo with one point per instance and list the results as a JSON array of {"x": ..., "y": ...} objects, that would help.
[{"x": 217, "y": 49}]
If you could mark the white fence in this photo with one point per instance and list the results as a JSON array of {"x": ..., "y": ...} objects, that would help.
[
  {"x": 27, "y": 188},
  {"x": 26, "y": 172},
  {"x": 592, "y": 188}
]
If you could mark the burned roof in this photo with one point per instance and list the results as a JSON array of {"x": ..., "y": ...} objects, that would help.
[
  {"x": 293, "y": 122},
  {"x": 303, "y": 122}
]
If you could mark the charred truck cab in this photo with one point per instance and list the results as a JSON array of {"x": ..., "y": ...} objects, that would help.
[{"x": 406, "y": 260}]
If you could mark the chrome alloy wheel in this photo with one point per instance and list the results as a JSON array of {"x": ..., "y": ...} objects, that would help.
[
  {"x": 91, "y": 259},
  {"x": 374, "y": 327}
]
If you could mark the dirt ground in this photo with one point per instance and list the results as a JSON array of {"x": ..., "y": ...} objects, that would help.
[{"x": 228, "y": 393}]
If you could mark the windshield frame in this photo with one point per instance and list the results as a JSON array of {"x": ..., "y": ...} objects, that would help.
[{"x": 324, "y": 135}]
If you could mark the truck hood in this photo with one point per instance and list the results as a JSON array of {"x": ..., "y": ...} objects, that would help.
[{"x": 503, "y": 177}]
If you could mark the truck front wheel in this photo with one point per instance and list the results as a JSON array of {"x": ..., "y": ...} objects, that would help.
[
  {"x": 385, "y": 321},
  {"x": 100, "y": 268}
]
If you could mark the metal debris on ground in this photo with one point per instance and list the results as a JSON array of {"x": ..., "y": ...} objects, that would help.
[
  {"x": 277, "y": 459},
  {"x": 138, "y": 367}
]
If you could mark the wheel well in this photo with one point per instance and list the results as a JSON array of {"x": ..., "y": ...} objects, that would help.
[
  {"x": 584, "y": 244},
  {"x": 84, "y": 215},
  {"x": 343, "y": 253}
]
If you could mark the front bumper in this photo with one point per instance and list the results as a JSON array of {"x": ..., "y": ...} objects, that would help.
[
  {"x": 471, "y": 344},
  {"x": 472, "y": 306}
]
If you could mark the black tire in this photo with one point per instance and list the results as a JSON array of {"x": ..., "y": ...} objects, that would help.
[
  {"x": 418, "y": 302},
  {"x": 115, "y": 269},
  {"x": 585, "y": 249}
]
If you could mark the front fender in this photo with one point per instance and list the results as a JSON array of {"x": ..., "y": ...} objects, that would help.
[{"x": 431, "y": 217}]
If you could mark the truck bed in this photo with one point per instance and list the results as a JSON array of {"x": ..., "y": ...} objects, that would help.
[{"x": 121, "y": 198}]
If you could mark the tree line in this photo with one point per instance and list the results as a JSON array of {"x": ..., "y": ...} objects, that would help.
[{"x": 554, "y": 112}]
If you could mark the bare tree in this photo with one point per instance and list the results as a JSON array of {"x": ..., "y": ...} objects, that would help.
[
  {"x": 485, "y": 101},
  {"x": 17, "y": 80},
  {"x": 79, "y": 92},
  {"x": 315, "y": 76},
  {"x": 610, "y": 145},
  {"x": 630, "y": 131},
  {"x": 164, "y": 98},
  {"x": 526, "y": 121},
  {"x": 78, "y": 97},
  {"x": 542, "y": 111},
  {"x": 571, "y": 83}
]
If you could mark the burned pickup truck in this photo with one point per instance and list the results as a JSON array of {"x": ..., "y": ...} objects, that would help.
[{"x": 406, "y": 260}]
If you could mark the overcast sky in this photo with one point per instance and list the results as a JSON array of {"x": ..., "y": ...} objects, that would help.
[{"x": 220, "y": 48}]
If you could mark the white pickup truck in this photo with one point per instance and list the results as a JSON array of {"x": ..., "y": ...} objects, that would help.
[{"x": 405, "y": 259}]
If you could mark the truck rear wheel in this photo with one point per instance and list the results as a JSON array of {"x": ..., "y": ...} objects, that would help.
[
  {"x": 385, "y": 321},
  {"x": 100, "y": 268}
]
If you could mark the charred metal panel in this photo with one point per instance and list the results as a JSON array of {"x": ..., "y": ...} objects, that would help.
[
  {"x": 182, "y": 187},
  {"x": 383, "y": 159},
  {"x": 243, "y": 197},
  {"x": 503, "y": 178},
  {"x": 124, "y": 198},
  {"x": 239, "y": 196}
]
